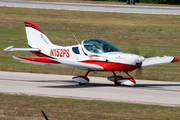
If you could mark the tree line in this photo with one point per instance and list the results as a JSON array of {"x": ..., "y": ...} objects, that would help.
[{"x": 174, "y": 2}]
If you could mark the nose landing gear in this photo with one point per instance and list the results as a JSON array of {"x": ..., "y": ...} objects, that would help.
[{"x": 118, "y": 80}]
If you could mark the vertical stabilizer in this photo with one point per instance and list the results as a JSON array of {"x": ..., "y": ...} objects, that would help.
[{"x": 36, "y": 38}]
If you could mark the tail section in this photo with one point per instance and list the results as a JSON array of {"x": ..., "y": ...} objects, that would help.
[{"x": 35, "y": 36}]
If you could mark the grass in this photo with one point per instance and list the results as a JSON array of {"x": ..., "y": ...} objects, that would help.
[
  {"x": 155, "y": 35},
  {"x": 29, "y": 107}
]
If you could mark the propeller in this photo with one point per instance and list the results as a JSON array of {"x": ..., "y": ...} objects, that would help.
[
  {"x": 139, "y": 70},
  {"x": 151, "y": 53},
  {"x": 135, "y": 50}
]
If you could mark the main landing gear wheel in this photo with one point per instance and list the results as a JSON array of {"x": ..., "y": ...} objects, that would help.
[
  {"x": 82, "y": 84},
  {"x": 82, "y": 80}
]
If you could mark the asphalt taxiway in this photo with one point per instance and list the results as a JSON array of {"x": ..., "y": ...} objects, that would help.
[
  {"x": 92, "y": 7},
  {"x": 145, "y": 92}
]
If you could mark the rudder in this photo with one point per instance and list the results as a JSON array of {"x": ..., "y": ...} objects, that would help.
[{"x": 35, "y": 36}]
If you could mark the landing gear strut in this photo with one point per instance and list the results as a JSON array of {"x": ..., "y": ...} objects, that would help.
[{"x": 116, "y": 79}]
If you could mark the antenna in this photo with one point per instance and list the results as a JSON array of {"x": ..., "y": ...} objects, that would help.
[
  {"x": 76, "y": 38},
  {"x": 44, "y": 115}
]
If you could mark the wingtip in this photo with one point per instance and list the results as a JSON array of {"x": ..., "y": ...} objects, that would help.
[
  {"x": 175, "y": 59},
  {"x": 8, "y": 48},
  {"x": 16, "y": 58}
]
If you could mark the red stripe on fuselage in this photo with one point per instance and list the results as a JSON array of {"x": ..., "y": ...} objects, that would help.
[
  {"x": 42, "y": 60},
  {"x": 110, "y": 66},
  {"x": 39, "y": 54}
]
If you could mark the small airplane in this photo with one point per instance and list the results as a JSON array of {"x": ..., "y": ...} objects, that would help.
[{"x": 90, "y": 55}]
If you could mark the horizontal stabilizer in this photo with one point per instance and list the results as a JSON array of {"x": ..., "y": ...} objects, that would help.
[
  {"x": 158, "y": 60},
  {"x": 20, "y": 49}
]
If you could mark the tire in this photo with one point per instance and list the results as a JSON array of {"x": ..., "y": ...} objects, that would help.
[
  {"x": 81, "y": 83},
  {"x": 117, "y": 83}
]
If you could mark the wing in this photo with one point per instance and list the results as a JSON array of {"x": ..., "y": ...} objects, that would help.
[
  {"x": 158, "y": 60},
  {"x": 51, "y": 61}
]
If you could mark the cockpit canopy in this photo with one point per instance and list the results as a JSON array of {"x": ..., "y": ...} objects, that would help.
[{"x": 99, "y": 46}]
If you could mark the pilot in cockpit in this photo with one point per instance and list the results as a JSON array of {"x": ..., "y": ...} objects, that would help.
[
  {"x": 105, "y": 48},
  {"x": 94, "y": 49}
]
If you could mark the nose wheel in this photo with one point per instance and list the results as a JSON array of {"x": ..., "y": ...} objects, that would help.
[
  {"x": 118, "y": 80},
  {"x": 117, "y": 83}
]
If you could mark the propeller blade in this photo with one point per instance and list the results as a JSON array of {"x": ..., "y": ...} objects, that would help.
[
  {"x": 151, "y": 53},
  {"x": 133, "y": 49},
  {"x": 139, "y": 72}
]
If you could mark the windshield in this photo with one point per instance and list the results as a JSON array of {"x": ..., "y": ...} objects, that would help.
[{"x": 99, "y": 46}]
